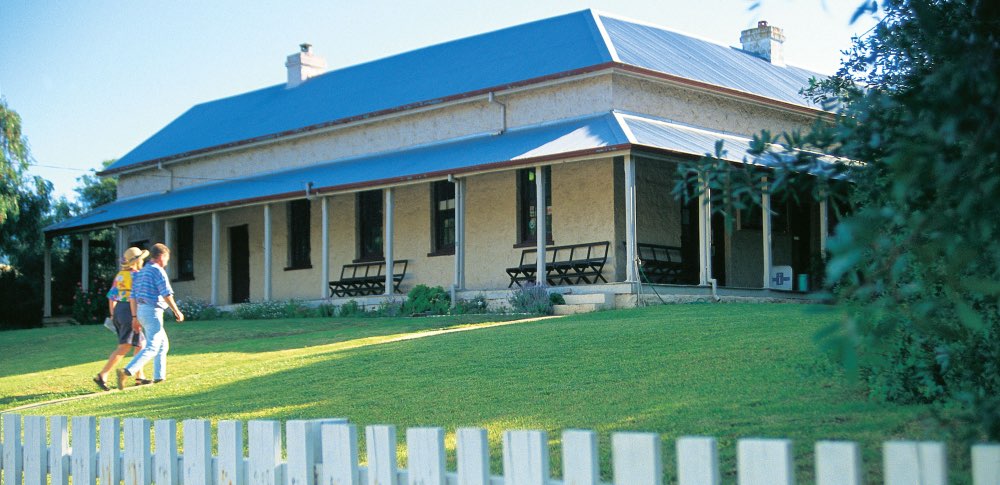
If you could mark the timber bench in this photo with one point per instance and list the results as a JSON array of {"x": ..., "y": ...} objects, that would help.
[
  {"x": 360, "y": 279},
  {"x": 564, "y": 265},
  {"x": 660, "y": 264}
]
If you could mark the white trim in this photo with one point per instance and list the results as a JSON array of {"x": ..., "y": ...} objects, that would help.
[
  {"x": 612, "y": 50},
  {"x": 620, "y": 118}
]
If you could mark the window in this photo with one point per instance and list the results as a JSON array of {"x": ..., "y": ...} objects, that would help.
[
  {"x": 526, "y": 198},
  {"x": 370, "y": 225},
  {"x": 443, "y": 216},
  {"x": 298, "y": 235},
  {"x": 183, "y": 251},
  {"x": 142, "y": 244}
]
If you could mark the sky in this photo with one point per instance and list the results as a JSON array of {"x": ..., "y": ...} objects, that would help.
[{"x": 92, "y": 80}]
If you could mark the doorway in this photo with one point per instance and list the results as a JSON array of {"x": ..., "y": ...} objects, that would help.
[
  {"x": 719, "y": 248},
  {"x": 239, "y": 264}
]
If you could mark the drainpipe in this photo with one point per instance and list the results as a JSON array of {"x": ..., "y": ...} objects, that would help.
[
  {"x": 503, "y": 113},
  {"x": 159, "y": 166}
]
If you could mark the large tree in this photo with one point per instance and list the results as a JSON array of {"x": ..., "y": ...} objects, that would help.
[{"x": 917, "y": 262}]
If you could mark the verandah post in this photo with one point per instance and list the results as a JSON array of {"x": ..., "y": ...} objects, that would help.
[
  {"x": 267, "y": 252},
  {"x": 324, "y": 270},
  {"x": 765, "y": 207},
  {"x": 85, "y": 261},
  {"x": 541, "y": 217},
  {"x": 216, "y": 251},
  {"x": 387, "y": 242},
  {"x": 631, "y": 273}
]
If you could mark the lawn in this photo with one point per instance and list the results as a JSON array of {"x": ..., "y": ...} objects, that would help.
[{"x": 728, "y": 370}]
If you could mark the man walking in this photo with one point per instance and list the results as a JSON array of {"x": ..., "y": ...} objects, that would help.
[{"x": 151, "y": 294}]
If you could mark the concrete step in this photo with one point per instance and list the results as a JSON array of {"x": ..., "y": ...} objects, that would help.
[
  {"x": 603, "y": 300},
  {"x": 574, "y": 309}
]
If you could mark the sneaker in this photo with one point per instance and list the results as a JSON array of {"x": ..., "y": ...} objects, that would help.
[
  {"x": 120, "y": 374},
  {"x": 142, "y": 382},
  {"x": 157, "y": 381}
]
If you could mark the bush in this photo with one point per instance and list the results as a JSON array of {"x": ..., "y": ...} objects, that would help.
[
  {"x": 21, "y": 304},
  {"x": 531, "y": 299},
  {"x": 91, "y": 306},
  {"x": 424, "y": 299},
  {"x": 351, "y": 309},
  {"x": 326, "y": 310},
  {"x": 195, "y": 309},
  {"x": 388, "y": 308},
  {"x": 260, "y": 310},
  {"x": 475, "y": 305},
  {"x": 557, "y": 299}
]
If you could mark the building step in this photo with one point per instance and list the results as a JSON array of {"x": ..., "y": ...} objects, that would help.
[
  {"x": 603, "y": 300},
  {"x": 574, "y": 309}
]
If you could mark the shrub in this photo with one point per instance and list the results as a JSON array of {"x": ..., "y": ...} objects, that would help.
[
  {"x": 425, "y": 299},
  {"x": 475, "y": 305},
  {"x": 351, "y": 309},
  {"x": 531, "y": 299},
  {"x": 260, "y": 310},
  {"x": 326, "y": 310},
  {"x": 91, "y": 306},
  {"x": 557, "y": 299},
  {"x": 21, "y": 303},
  {"x": 195, "y": 309}
]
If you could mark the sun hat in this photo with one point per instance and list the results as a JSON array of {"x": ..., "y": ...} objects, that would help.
[{"x": 133, "y": 255}]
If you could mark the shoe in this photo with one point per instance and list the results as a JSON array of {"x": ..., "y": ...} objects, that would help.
[
  {"x": 142, "y": 382},
  {"x": 157, "y": 381},
  {"x": 100, "y": 383},
  {"x": 120, "y": 373}
]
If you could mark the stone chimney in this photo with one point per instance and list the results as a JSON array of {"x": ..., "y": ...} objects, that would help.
[
  {"x": 303, "y": 65},
  {"x": 764, "y": 42}
]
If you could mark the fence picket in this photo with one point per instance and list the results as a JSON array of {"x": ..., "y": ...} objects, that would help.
[
  {"x": 264, "y": 464},
  {"x": 579, "y": 453},
  {"x": 380, "y": 443},
  {"x": 697, "y": 461},
  {"x": 472, "y": 456},
  {"x": 59, "y": 450},
  {"x": 109, "y": 453},
  {"x": 35, "y": 451},
  {"x": 13, "y": 460},
  {"x": 339, "y": 454},
  {"x": 301, "y": 457},
  {"x": 838, "y": 463},
  {"x": 137, "y": 454},
  {"x": 230, "y": 453},
  {"x": 636, "y": 459},
  {"x": 84, "y": 451},
  {"x": 425, "y": 456},
  {"x": 525, "y": 458},
  {"x": 197, "y": 452},
  {"x": 907, "y": 462},
  {"x": 765, "y": 462},
  {"x": 986, "y": 464},
  {"x": 165, "y": 458}
]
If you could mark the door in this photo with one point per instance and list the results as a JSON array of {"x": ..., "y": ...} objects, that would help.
[{"x": 239, "y": 264}]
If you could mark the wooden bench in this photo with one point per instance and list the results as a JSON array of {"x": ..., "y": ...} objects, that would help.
[
  {"x": 660, "y": 264},
  {"x": 564, "y": 265},
  {"x": 367, "y": 278}
]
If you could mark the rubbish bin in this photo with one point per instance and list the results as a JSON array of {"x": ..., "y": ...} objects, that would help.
[{"x": 803, "y": 283}]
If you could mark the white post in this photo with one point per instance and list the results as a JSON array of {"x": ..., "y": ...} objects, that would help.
[
  {"x": 704, "y": 234},
  {"x": 85, "y": 261},
  {"x": 387, "y": 241},
  {"x": 459, "y": 233},
  {"x": 120, "y": 241},
  {"x": 824, "y": 225},
  {"x": 526, "y": 458},
  {"x": 324, "y": 284},
  {"x": 631, "y": 273},
  {"x": 47, "y": 308},
  {"x": 168, "y": 239},
  {"x": 267, "y": 252},
  {"x": 765, "y": 207},
  {"x": 13, "y": 453},
  {"x": 214, "y": 297},
  {"x": 637, "y": 458},
  {"x": 541, "y": 216},
  {"x": 59, "y": 460}
]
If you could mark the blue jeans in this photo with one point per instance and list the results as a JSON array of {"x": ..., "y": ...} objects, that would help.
[{"x": 157, "y": 345}]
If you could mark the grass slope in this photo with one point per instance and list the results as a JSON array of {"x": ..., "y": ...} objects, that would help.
[{"x": 727, "y": 371}]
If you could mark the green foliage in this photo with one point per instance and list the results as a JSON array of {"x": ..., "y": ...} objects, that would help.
[
  {"x": 473, "y": 306},
  {"x": 423, "y": 299},
  {"x": 326, "y": 310},
  {"x": 14, "y": 159},
  {"x": 916, "y": 258},
  {"x": 90, "y": 307},
  {"x": 557, "y": 299},
  {"x": 268, "y": 310},
  {"x": 530, "y": 299},
  {"x": 195, "y": 309},
  {"x": 351, "y": 309},
  {"x": 19, "y": 300}
]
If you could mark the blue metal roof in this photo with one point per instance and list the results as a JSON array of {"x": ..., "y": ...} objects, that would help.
[
  {"x": 581, "y": 135},
  {"x": 595, "y": 134},
  {"x": 541, "y": 49}
]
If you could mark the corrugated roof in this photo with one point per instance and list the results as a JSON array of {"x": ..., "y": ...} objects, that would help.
[
  {"x": 536, "y": 50},
  {"x": 575, "y": 137}
]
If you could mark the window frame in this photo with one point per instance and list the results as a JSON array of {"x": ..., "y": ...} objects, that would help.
[
  {"x": 183, "y": 251},
  {"x": 299, "y": 234},
  {"x": 369, "y": 214},
  {"x": 443, "y": 234},
  {"x": 526, "y": 198}
]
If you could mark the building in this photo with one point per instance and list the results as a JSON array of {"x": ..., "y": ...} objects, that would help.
[{"x": 440, "y": 156}]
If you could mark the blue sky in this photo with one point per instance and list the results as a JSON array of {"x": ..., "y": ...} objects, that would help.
[{"x": 91, "y": 80}]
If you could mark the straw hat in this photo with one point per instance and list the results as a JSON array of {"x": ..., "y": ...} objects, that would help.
[{"x": 132, "y": 256}]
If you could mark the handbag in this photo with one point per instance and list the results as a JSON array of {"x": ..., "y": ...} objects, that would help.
[{"x": 108, "y": 324}]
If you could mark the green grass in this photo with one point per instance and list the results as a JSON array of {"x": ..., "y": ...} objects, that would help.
[{"x": 727, "y": 371}]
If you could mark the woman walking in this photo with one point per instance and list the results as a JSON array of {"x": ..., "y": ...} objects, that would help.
[{"x": 121, "y": 316}]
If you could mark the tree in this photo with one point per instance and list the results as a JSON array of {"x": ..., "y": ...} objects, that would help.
[
  {"x": 917, "y": 263},
  {"x": 14, "y": 159}
]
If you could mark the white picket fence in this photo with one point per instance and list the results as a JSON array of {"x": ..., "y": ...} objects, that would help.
[{"x": 325, "y": 452}]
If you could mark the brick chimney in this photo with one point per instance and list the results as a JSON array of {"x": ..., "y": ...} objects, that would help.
[
  {"x": 303, "y": 65},
  {"x": 764, "y": 42}
]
